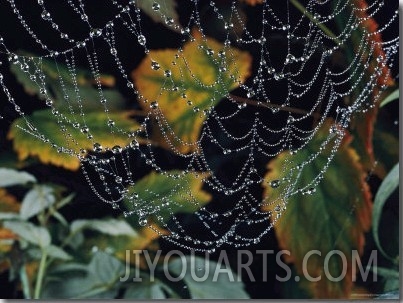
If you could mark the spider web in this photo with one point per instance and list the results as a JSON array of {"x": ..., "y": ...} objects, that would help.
[{"x": 294, "y": 61}]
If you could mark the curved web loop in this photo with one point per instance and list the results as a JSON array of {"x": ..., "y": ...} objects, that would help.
[{"x": 296, "y": 83}]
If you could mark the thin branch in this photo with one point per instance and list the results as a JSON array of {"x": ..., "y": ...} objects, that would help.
[{"x": 276, "y": 106}]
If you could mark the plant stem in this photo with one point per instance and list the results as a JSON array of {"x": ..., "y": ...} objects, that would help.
[
  {"x": 41, "y": 274},
  {"x": 323, "y": 27},
  {"x": 25, "y": 282}
]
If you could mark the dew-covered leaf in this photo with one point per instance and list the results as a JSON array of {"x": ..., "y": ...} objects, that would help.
[
  {"x": 363, "y": 123},
  {"x": 36, "y": 200},
  {"x": 183, "y": 194},
  {"x": 334, "y": 217},
  {"x": 29, "y": 232},
  {"x": 46, "y": 123},
  {"x": 184, "y": 113},
  {"x": 166, "y": 9},
  {"x": 10, "y": 177}
]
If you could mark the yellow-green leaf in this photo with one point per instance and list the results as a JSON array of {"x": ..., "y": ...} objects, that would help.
[
  {"x": 27, "y": 145},
  {"x": 181, "y": 98},
  {"x": 164, "y": 195},
  {"x": 335, "y": 217}
]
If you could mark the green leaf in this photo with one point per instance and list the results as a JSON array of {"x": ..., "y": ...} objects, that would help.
[
  {"x": 388, "y": 186},
  {"x": 88, "y": 91},
  {"x": 391, "y": 285},
  {"x": 29, "y": 232},
  {"x": 64, "y": 201},
  {"x": 106, "y": 268},
  {"x": 204, "y": 283},
  {"x": 27, "y": 145},
  {"x": 36, "y": 200},
  {"x": 335, "y": 217},
  {"x": 100, "y": 281},
  {"x": 167, "y": 8},
  {"x": 146, "y": 290},
  {"x": 386, "y": 272},
  {"x": 11, "y": 177},
  {"x": 113, "y": 227},
  {"x": 9, "y": 216},
  {"x": 393, "y": 96},
  {"x": 184, "y": 120},
  {"x": 57, "y": 253},
  {"x": 155, "y": 189},
  {"x": 63, "y": 268}
]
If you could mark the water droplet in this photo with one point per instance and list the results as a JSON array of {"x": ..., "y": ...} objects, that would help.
[
  {"x": 275, "y": 183},
  {"x": 228, "y": 25},
  {"x": 118, "y": 179},
  {"x": 80, "y": 44},
  {"x": 289, "y": 58},
  {"x": 290, "y": 120},
  {"x": 169, "y": 21},
  {"x": 134, "y": 144},
  {"x": 141, "y": 39},
  {"x": 13, "y": 58},
  {"x": 45, "y": 15},
  {"x": 154, "y": 105},
  {"x": 95, "y": 32},
  {"x": 85, "y": 129},
  {"x": 155, "y": 65},
  {"x": 116, "y": 149},
  {"x": 97, "y": 147},
  {"x": 310, "y": 191},
  {"x": 250, "y": 94},
  {"x": 156, "y": 6},
  {"x": 167, "y": 73},
  {"x": 143, "y": 221}
]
